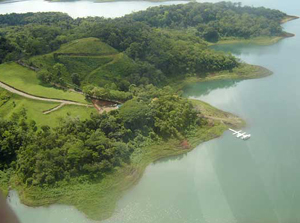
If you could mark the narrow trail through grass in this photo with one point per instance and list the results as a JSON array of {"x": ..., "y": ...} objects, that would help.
[{"x": 53, "y": 109}]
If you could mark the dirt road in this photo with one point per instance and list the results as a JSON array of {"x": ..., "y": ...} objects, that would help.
[{"x": 26, "y": 95}]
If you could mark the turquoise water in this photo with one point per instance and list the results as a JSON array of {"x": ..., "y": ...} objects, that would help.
[{"x": 225, "y": 180}]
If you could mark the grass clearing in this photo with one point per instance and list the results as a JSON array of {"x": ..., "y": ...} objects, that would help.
[
  {"x": 25, "y": 80},
  {"x": 35, "y": 110}
]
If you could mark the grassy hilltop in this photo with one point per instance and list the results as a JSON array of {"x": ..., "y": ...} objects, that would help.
[{"x": 94, "y": 62}]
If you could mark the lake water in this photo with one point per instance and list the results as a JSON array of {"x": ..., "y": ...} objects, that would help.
[
  {"x": 79, "y": 8},
  {"x": 225, "y": 180},
  {"x": 53, "y": 214}
]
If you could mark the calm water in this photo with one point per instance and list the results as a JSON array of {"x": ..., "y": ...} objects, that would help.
[
  {"x": 225, "y": 180},
  {"x": 79, "y": 8},
  {"x": 53, "y": 214}
]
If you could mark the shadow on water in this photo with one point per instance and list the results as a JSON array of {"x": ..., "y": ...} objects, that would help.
[
  {"x": 249, "y": 49},
  {"x": 202, "y": 89},
  {"x": 236, "y": 49},
  {"x": 171, "y": 158}
]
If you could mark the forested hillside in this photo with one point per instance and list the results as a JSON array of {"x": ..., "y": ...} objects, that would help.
[
  {"x": 158, "y": 54},
  {"x": 88, "y": 149},
  {"x": 83, "y": 62},
  {"x": 164, "y": 41}
]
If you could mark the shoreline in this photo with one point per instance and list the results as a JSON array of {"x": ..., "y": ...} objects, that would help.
[
  {"x": 289, "y": 18},
  {"x": 105, "y": 193},
  {"x": 261, "y": 40},
  {"x": 244, "y": 72},
  {"x": 108, "y": 191}
]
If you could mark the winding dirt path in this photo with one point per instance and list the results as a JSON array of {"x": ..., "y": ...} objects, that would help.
[
  {"x": 53, "y": 109},
  {"x": 26, "y": 95}
]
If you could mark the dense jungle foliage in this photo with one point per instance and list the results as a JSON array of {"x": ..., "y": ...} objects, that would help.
[
  {"x": 86, "y": 150},
  {"x": 214, "y": 21},
  {"x": 163, "y": 42}
]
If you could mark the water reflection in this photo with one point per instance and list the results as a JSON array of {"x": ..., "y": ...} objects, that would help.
[
  {"x": 249, "y": 49},
  {"x": 203, "y": 89},
  {"x": 51, "y": 214},
  {"x": 171, "y": 158}
]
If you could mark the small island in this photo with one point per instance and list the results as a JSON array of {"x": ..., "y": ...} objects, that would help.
[{"x": 87, "y": 104}]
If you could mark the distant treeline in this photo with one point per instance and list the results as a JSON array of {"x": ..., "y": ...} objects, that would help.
[{"x": 212, "y": 21}]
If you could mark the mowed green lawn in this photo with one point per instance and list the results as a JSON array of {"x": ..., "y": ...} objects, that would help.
[
  {"x": 26, "y": 80},
  {"x": 35, "y": 110}
]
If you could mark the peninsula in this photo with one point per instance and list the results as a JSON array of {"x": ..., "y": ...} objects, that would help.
[{"x": 67, "y": 147}]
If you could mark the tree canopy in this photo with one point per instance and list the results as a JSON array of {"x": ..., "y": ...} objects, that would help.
[
  {"x": 162, "y": 42},
  {"x": 87, "y": 150}
]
